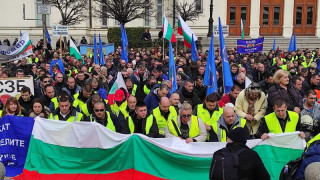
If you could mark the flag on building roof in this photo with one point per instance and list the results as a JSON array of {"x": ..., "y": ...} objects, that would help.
[
  {"x": 185, "y": 31},
  {"x": 88, "y": 150},
  {"x": 210, "y": 76},
  {"x": 167, "y": 30}
]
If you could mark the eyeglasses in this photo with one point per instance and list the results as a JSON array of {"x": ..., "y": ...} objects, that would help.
[
  {"x": 186, "y": 116},
  {"x": 98, "y": 110},
  {"x": 46, "y": 81}
]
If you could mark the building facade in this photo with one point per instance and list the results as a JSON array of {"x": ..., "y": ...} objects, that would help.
[{"x": 260, "y": 18}]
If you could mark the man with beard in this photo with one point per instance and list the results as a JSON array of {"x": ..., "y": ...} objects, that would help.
[
  {"x": 310, "y": 105},
  {"x": 26, "y": 98},
  {"x": 186, "y": 94},
  {"x": 200, "y": 89}
]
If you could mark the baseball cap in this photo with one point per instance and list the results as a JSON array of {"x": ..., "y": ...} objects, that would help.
[{"x": 119, "y": 95}]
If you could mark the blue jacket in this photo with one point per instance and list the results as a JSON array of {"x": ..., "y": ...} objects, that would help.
[
  {"x": 311, "y": 156},
  {"x": 152, "y": 99}
]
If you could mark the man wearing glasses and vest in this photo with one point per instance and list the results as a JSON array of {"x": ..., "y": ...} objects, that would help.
[
  {"x": 229, "y": 120},
  {"x": 188, "y": 127},
  {"x": 280, "y": 121},
  {"x": 101, "y": 116}
]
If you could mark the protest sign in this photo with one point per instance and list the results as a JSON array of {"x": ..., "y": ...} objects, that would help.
[
  {"x": 60, "y": 30},
  {"x": 86, "y": 49},
  {"x": 250, "y": 46}
]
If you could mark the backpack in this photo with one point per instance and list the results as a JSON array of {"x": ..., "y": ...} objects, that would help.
[
  {"x": 288, "y": 172},
  {"x": 225, "y": 164}
]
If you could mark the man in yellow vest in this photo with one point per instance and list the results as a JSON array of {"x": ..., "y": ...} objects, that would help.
[
  {"x": 188, "y": 127},
  {"x": 120, "y": 101},
  {"x": 132, "y": 88},
  {"x": 66, "y": 112},
  {"x": 163, "y": 114},
  {"x": 101, "y": 116},
  {"x": 139, "y": 123},
  {"x": 219, "y": 131},
  {"x": 280, "y": 121},
  {"x": 130, "y": 109},
  {"x": 175, "y": 101},
  {"x": 81, "y": 98}
]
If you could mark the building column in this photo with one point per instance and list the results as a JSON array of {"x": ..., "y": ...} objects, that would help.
[
  {"x": 288, "y": 18},
  {"x": 318, "y": 20},
  {"x": 254, "y": 18}
]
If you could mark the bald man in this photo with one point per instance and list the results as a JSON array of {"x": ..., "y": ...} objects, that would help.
[
  {"x": 228, "y": 121},
  {"x": 240, "y": 80},
  {"x": 175, "y": 101},
  {"x": 164, "y": 113}
]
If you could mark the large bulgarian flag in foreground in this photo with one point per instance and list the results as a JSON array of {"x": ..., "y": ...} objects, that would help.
[
  {"x": 185, "y": 31},
  {"x": 60, "y": 150}
]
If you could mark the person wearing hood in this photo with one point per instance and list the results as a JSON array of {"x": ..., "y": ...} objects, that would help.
[
  {"x": 66, "y": 112},
  {"x": 81, "y": 98},
  {"x": 187, "y": 94},
  {"x": 250, "y": 164},
  {"x": 26, "y": 98},
  {"x": 153, "y": 98},
  {"x": 219, "y": 132}
]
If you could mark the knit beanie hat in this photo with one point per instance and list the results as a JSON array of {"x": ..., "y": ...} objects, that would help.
[{"x": 238, "y": 135}]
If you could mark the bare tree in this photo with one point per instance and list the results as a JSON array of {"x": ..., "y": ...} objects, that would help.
[
  {"x": 124, "y": 11},
  {"x": 187, "y": 11}
]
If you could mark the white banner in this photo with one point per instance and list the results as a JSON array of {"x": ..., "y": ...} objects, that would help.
[
  {"x": 12, "y": 86},
  {"x": 60, "y": 30},
  {"x": 22, "y": 49}
]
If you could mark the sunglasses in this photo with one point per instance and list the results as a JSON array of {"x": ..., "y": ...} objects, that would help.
[
  {"x": 46, "y": 81},
  {"x": 186, "y": 115},
  {"x": 98, "y": 110},
  {"x": 255, "y": 87}
]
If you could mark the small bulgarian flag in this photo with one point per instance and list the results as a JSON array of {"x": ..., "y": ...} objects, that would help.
[
  {"x": 185, "y": 31},
  {"x": 241, "y": 30},
  {"x": 167, "y": 30},
  {"x": 74, "y": 51},
  {"x": 119, "y": 83},
  {"x": 61, "y": 150}
]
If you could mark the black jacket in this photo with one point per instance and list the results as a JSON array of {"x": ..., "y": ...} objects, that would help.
[
  {"x": 250, "y": 164},
  {"x": 154, "y": 131},
  {"x": 26, "y": 105},
  {"x": 72, "y": 112},
  {"x": 192, "y": 98}
]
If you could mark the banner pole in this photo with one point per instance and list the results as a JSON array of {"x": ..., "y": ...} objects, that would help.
[{"x": 60, "y": 48}]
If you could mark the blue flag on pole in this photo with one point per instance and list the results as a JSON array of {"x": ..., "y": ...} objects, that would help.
[
  {"x": 101, "y": 56},
  {"x": 291, "y": 44},
  {"x": 227, "y": 78},
  {"x": 124, "y": 44},
  {"x": 294, "y": 42},
  {"x": 210, "y": 77},
  {"x": 48, "y": 36},
  {"x": 172, "y": 70},
  {"x": 194, "y": 52},
  {"x": 20, "y": 33},
  {"x": 95, "y": 50},
  {"x": 274, "y": 44}
]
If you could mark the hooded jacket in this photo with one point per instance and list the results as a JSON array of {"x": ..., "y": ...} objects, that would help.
[{"x": 152, "y": 99}]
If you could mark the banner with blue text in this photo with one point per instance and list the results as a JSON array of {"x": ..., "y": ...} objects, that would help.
[
  {"x": 15, "y": 133},
  {"x": 250, "y": 46},
  {"x": 88, "y": 49}
]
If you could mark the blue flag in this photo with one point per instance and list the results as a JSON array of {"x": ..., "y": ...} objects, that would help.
[
  {"x": 95, "y": 50},
  {"x": 210, "y": 76},
  {"x": 124, "y": 44},
  {"x": 274, "y": 44},
  {"x": 101, "y": 56},
  {"x": 48, "y": 36},
  {"x": 294, "y": 43},
  {"x": 172, "y": 70},
  {"x": 194, "y": 52},
  {"x": 60, "y": 64},
  {"x": 291, "y": 44},
  {"x": 15, "y": 133},
  {"x": 20, "y": 33},
  {"x": 227, "y": 78}
]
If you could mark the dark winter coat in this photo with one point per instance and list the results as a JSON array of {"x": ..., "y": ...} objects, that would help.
[
  {"x": 26, "y": 105},
  {"x": 152, "y": 99},
  {"x": 192, "y": 98}
]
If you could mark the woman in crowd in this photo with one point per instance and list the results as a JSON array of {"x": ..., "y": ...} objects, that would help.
[
  {"x": 12, "y": 107},
  {"x": 282, "y": 89},
  {"x": 251, "y": 104},
  {"x": 38, "y": 109}
]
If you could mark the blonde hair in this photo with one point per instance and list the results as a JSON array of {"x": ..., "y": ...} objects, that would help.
[
  {"x": 185, "y": 106},
  {"x": 278, "y": 75}
]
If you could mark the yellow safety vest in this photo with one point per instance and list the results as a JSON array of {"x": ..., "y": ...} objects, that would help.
[
  {"x": 274, "y": 125},
  {"x": 84, "y": 109},
  {"x": 204, "y": 115},
  {"x": 148, "y": 125},
  {"x": 55, "y": 102},
  {"x": 71, "y": 119},
  {"x": 146, "y": 90},
  {"x": 161, "y": 121},
  {"x": 305, "y": 65},
  {"x": 274, "y": 61},
  {"x": 194, "y": 130},
  {"x": 134, "y": 90},
  {"x": 222, "y": 134},
  {"x": 116, "y": 109},
  {"x": 125, "y": 112},
  {"x": 110, "y": 124},
  {"x": 30, "y": 60},
  {"x": 317, "y": 137}
]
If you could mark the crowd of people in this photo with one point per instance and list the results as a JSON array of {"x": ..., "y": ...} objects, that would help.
[{"x": 273, "y": 92}]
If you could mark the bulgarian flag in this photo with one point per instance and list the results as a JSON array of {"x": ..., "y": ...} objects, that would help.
[
  {"x": 119, "y": 83},
  {"x": 74, "y": 51},
  {"x": 167, "y": 30},
  {"x": 88, "y": 150},
  {"x": 185, "y": 31},
  {"x": 241, "y": 30}
]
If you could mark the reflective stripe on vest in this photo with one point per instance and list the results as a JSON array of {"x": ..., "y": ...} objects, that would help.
[
  {"x": 109, "y": 125},
  {"x": 161, "y": 121},
  {"x": 204, "y": 115},
  {"x": 222, "y": 134},
  {"x": 274, "y": 125},
  {"x": 148, "y": 124},
  {"x": 146, "y": 90},
  {"x": 124, "y": 112},
  {"x": 116, "y": 109}
]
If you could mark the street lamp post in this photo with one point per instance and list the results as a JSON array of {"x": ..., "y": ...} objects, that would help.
[{"x": 210, "y": 31}]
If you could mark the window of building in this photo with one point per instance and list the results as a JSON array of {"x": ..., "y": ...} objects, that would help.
[
  {"x": 198, "y": 5},
  {"x": 159, "y": 12},
  {"x": 39, "y": 16},
  {"x": 147, "y": 17},
  {"x": 232, "y": 15},
  {"x": 299, "y": 15},
  {"x": 265, "y": 16},
  {"x": 104, "y": 20},
  {"x": 116, "y": 23}
]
